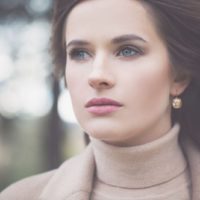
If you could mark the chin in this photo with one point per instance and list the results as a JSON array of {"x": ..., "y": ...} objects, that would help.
[
  {"x": 99, "y": 135},
  {"x": 106, "y": 135}
]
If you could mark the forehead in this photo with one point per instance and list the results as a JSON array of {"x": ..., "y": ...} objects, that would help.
[{"x": 100, "y": 18}]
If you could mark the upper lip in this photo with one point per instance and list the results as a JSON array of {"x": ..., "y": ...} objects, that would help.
[{"x": 102, "y": 102}]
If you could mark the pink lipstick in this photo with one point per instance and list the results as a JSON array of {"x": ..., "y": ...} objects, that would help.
[{"x": 102, "y": 106}]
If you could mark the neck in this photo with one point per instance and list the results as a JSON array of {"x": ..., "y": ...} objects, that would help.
[{"x": 140, "y": 166}]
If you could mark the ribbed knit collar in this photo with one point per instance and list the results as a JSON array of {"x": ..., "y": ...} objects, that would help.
[{"x": 140, "y": 166}]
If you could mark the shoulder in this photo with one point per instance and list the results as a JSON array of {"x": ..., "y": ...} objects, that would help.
[
  {"x": 32, "y": 187},
  {"x": 28, "y": 188}
]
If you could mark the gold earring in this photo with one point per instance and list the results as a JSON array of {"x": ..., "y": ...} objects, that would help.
[{"x": 177, "y": 103}]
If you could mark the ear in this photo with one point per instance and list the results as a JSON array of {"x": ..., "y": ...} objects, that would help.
[{"x": 178, "y": 87}]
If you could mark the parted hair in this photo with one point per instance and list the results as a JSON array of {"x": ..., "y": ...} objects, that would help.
[{"x": 178, "y": 23}]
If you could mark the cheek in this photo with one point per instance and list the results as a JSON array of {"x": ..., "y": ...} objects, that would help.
[
  {"x": 155, "y": 77},
  {"x": 151, "y": 87},
  {"x": 77, "y": 88},
  {"x": 72, "y": 80},
  {"x": 155, "y": 82}
]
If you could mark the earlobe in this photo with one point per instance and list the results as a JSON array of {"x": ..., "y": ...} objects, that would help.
[{"x": 179, "y": 87}]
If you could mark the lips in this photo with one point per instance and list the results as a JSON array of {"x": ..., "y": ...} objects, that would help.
[
  {"x": 102, "y": 106},
  {"x": 102, "y": 102}
]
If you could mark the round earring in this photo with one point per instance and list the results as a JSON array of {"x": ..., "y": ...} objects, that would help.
[{"x": 177, "y": 103}]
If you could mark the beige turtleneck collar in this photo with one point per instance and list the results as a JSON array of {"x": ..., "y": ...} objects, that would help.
[{"x": 140, "y": 166}]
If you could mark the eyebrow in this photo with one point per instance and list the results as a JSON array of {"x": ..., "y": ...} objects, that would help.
[
  {"x": 116, "y": 40},
  {"x": 77, "y": 43},
  {"x": 125, "y": 38}
]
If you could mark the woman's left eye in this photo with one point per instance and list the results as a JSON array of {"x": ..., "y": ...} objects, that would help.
[{"x": 128, "y": 52}]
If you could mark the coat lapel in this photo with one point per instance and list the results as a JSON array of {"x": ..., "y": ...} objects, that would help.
[
  {"x": 73, "y": 180},
  {"x": 193, "y": 157}
]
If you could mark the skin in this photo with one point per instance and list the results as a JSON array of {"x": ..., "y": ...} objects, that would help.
[{"x": 134, "y": 71}]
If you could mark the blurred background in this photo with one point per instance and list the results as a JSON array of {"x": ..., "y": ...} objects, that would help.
[{"x": 38, "y": 130}]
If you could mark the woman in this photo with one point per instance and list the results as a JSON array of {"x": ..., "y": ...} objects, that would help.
[{"x": 132, "y": 69}]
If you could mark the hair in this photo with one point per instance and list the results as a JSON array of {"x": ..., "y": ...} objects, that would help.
[{"x": 178, "y": 23}]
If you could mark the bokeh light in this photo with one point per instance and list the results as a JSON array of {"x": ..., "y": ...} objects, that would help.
[
  {"x": 25, "y": 66},
  {"x": 65, "y": 108},
  {"x": 25, "y": 98},
  {"x": 38, "y": 6}
]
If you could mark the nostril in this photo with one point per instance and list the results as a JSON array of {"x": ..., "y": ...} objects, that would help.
[
  {"x": 101, "y": 82},
  {"x": 101, "y": 77},
  {"x": 97, "y": 83}
]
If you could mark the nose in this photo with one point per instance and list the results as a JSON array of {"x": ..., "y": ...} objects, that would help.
[{"x": 101, "y": 76}]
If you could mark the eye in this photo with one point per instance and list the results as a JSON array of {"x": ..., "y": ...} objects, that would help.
[
  {"x": 129, "y": 52},
  {"x": 79, "y": 54}
]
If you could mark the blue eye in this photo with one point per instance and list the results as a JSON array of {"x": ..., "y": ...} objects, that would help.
[
  {"x": 79, "y": 54},
  {"x": 128, "y": 52}
]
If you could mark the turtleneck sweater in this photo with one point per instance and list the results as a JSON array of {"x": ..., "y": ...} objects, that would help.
[{"x": 152, "y": 171}]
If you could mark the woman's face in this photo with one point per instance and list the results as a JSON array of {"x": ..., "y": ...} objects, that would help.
[{"x": 118, "y": 72}]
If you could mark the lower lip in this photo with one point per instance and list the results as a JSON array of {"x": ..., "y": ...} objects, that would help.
[{"x": 102, "y": 110}]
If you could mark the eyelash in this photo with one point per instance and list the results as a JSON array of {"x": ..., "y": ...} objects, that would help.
[
  {"x": 74, "y": 53},
  {"x": 137, "y": 51}
]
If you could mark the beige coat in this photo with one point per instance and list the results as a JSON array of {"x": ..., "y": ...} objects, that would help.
[{"x": 73, "y": 180}]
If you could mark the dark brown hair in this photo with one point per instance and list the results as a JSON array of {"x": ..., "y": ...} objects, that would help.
[{"x": 178, "y": 22}]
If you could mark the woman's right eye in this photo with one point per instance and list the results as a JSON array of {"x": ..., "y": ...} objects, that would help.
[{"x": 79, "y": 55}]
